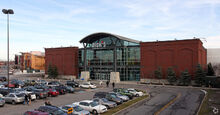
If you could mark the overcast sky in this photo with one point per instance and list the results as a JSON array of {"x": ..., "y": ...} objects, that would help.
[{"x": 53, "y": 23}]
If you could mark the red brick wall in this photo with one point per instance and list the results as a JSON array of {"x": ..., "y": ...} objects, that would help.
[
  {"x": 180, "y": 54},
  {"x": 66, "y": 60}
]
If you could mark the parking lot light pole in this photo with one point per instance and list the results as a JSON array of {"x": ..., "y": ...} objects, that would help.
[{"x": 8, "y": 11}]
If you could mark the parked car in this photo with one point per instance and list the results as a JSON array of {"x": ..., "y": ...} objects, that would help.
[
  {"x": 72, "y": 83},
  {"x": 35, "y": 112},
  {"x": 87, "y": 85},
  {"x": 54, "y": 83},
  {"x": 69, "y": 89},
  {"x": 114, "y": 98},
  {"x": 2, "y": 86},
  {"x": 77, "y": 110},
  {"x": 41, "y": 86},
  {"x": 6, "y": 91},
  {"x": 14, "y": 98},
  {"x": 123, "y": 97},
  {"x": 10, "y": 84},
  {"x": 60, "y": 89},
  {"x": 52, "y": 110},
  {"x": 108, "y": 96},
  {"x": 21, "y": 90},
  {"x": 17, "y": 83},
  {"x": 2, "y": 101},
  {"x": 91, "y": 106},
  {"x": 2, "y": 78},
  {"x": 38, "y": 92},
  {"x": 42, "y": 82},
  {"x": 29, "y": 82},
  {"x": 105, "y": 102},
  {"x": 123, "y": 92},
  {"x": 135, "y": 92},
  {"x": 53, "y": 92}
]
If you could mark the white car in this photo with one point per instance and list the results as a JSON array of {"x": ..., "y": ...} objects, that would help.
[
  {"x": 2, "y": 86},
  {"x": 20, "y": 90},
  {"x": 87, "y": 85},
  {"x": 135, "y": 92},
  {"x": 92, "y": 106}
]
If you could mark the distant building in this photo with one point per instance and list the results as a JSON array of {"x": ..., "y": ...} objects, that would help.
[
  {"x": 105, "y": 53},
  {"x": 213, "y": 57},
  {"x": 33, "y": 60}
]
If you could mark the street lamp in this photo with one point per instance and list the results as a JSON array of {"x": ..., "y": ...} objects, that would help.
[{"x": 8, "y": 11}]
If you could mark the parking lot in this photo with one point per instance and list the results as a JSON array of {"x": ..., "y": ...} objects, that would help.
[
  {"x": 186, "y": 104},
  {"x": 60, "y": 100}
]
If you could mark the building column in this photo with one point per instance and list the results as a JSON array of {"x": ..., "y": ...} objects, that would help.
[
  {"x": 84, "y": 56},
  {"x": 115, "y": 59}
]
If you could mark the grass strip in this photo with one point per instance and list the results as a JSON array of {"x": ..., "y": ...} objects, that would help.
[
  {"x": 124, "y": 105},
  {"x": 205, "y": 109}
]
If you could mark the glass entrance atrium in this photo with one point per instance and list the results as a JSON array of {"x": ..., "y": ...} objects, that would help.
[{"x": 104, "y": 53}]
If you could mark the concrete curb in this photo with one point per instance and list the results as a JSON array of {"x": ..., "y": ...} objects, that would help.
[
  {"x": 131, "y": 105},
  {"x": 206, "y": 93}
]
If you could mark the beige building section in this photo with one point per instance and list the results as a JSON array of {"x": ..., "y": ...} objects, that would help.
[
  {"x": 34, "y": 60},
  {"x": 213, "y": 57}
]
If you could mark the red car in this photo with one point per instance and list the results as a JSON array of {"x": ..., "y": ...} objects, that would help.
[
  {"x": 35, "y": 113},
  {"x": 53, "y": 92},
  {"x": 10, "y": 85}
]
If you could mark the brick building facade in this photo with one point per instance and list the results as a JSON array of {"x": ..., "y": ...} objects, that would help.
[
  {"x": 181, "y": 55},
  {"x": 64, "y": 58}
]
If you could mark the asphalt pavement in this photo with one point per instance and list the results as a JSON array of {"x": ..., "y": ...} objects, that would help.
[{"x": 187, "y": 103}]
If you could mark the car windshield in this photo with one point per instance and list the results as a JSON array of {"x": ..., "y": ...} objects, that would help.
[
  {"x": 104, "y": 99},
  {"x": 119, "y": 94},
  {"x": 19, "y": 89},
  {"x": 93, "y": 104},
  {"x": 20, "y": 95},
  {"x": 58, "y": 112},
  {"x": 112, "y": 95},
  {"x": 77, "y": 108},
  {"x": 69, "y": 87},
  {"x": 32, "y": 87}
]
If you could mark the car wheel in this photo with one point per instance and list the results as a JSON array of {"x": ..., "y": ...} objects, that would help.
[
  {"x": 95, "y": 112},
  {"x": 13, "y": 102},
  {"x": 38, "y": 97},
  {"x": 137, "y": 95},
  {"x": 107, "y": 107}
]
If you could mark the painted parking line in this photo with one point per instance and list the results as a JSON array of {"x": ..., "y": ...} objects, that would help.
[{"x": 167, "y": 105}]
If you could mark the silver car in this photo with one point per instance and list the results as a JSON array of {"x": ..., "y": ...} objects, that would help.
[
  {"x": 105, "y": 102},
  {"x": 2, "y": 102},
  {"x": 75, "y": 109},
  {"x": 14, "y": 98},
  {"x": 122, "y": 97}
]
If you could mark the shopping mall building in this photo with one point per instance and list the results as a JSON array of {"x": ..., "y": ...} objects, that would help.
[{"x": 106, "y": 55}]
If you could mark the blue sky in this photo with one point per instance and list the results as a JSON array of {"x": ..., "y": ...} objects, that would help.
[{"x": 53, "y": 23}]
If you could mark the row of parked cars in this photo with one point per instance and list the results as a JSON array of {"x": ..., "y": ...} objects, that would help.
[
  {"x": 38, "y": 90},
  {"x": 101, "y": 102}
]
